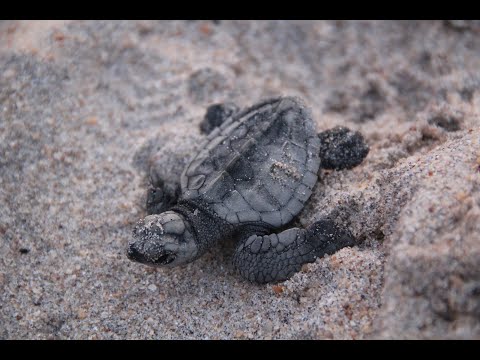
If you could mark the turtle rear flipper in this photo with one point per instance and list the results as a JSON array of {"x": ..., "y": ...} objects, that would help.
[
  {"x": 216, "y": 115},
  {"x": 276, "y": 257},
  {"x": 341, "y": 148}
]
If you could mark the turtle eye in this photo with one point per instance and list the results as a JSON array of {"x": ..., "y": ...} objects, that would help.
[{"x": 165, "y": 259}]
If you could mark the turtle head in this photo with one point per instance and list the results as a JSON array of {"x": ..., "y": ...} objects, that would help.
[{"x": 162, "y": 240}]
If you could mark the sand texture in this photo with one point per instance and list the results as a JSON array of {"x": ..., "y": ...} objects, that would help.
[{"x": 86, "y": 106}]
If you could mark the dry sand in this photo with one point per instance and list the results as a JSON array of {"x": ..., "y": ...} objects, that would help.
[{"x": 86, "y": 105}]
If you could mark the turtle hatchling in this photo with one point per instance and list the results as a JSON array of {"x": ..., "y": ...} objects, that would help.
[{"x": 253, "y": 174}]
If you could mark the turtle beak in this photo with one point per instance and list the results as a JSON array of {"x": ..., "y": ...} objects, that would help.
[
  {"x": 135, "y": 255},
  {"x": 148, "y": 244},
  {"x": 163, "y": 258}
]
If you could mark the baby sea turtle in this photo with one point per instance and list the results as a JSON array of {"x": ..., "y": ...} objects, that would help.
[{"x": 251, "y": 177}]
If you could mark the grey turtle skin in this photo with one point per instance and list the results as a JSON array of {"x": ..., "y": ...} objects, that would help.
[{"x": 252, "y": 176}]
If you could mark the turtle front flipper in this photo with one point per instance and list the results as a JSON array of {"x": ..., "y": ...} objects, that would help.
[
  {"x": 161, "y": 198},
  {"x": 276, "y": 257},
  {"x": 216, "y": 115}
]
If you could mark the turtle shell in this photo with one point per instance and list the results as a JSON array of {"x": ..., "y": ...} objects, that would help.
[{"x": 258, "y": 166}]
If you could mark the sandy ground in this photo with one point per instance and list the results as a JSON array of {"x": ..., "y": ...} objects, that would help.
[{"x": 86, "y": 106}]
